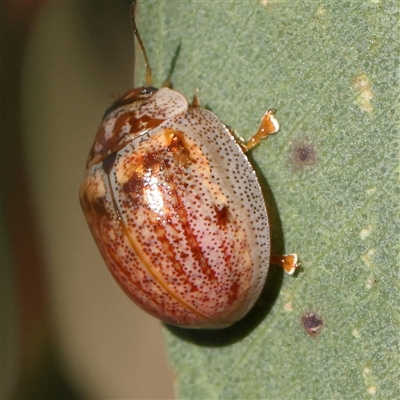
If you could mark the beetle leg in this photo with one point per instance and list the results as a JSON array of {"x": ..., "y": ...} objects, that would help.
[
  {"x": 195, "y": 102},
  {"x": 289, "y": 262},
  {"x": 167, "y": 83},
  {"x": 269, "y": 125}
]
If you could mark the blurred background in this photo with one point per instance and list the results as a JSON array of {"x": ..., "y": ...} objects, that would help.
[{"x": 67, "y": 330}]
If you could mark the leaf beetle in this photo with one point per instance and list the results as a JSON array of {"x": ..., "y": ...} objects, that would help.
[{"x": 176, "y": 209}]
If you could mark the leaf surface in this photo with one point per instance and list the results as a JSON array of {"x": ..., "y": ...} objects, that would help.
[{"x": 330, "y": 178}]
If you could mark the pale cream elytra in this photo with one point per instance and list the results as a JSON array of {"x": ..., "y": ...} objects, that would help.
[{"x": 176, "y": 209}]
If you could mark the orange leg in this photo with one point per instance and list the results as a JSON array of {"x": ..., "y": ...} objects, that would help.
[
  {"x": 269, "y": 125},
  {"x": 289, "y": 262}
]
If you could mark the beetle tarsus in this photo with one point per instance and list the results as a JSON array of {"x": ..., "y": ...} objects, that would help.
[
  {"x": 289, "y": 262},
  {"x": 269, "y": 125}
]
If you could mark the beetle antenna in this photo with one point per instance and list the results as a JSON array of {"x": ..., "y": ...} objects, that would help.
[{"x": 149, "y": 76}]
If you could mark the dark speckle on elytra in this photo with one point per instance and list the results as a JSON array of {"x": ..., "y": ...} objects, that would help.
[
  {"x": 312, "y": 323},
  {"x": 302, "y": 154}
]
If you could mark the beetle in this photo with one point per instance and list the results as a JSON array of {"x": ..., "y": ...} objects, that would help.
[{"x": 176, "y": 209}]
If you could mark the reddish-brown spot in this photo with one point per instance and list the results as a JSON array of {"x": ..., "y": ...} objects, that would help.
[
  {"x": 134, "y": 189},
  {"x": 175, "y": 151},
  {"x": 178, "y": 148},
  {"x": 99, "y": 208},
  {"x": 153, "y": 162},
  {"x": 312, "y": 323},
  {"x": 95, "y": 208},
  {"x": 233, "y": 293},
  {"x": 222, "y": 215}
]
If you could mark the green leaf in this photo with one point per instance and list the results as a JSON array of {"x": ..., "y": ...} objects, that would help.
[{"x": 331, "y": 185}]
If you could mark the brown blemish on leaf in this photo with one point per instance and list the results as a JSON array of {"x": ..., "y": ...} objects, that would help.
[
  {"x": 312, "y": 323},
  {"x": 302, "y": 154}
]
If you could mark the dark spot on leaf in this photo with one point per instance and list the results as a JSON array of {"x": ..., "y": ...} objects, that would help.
[
  {"x": 302, "y": 154},
  {"x": 312, "y": 323}
]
